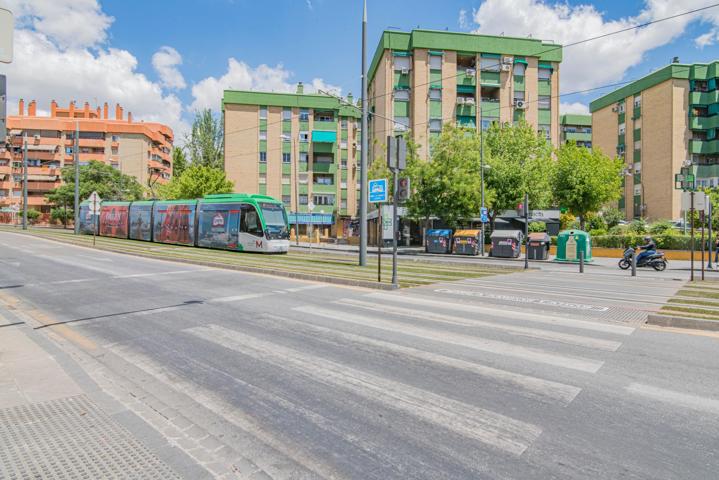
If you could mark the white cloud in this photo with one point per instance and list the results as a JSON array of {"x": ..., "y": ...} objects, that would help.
[
  {"x": 574, "y": 107},
  {"x": 49, "y": 66},
  {"x": 601, "y": 61},
  {"x": 706, "y": 39},
  {"x": 463, "y": 21},
  {"x": 309, "y": 4},
  {"x": 165, "y": 61},
  {"x": 70, "y": 23},
  {"x": 207, "y": 93}
]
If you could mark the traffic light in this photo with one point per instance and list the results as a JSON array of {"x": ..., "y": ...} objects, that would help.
[
  {"x": 403, "y": 189},
  {"x": 520, "y": 209}
]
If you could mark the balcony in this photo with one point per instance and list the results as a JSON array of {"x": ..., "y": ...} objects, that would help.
[
  {"x": 468, "y": 79},
  {"x": 703, "y": 98},
  {"x": 704, "y": 123},
  {"x": 320, "y": 188},
  {"x": 490, "y": 108},
  {"x": 578, "y": 136},
  {"x": 466, "y": 110},
  {"x": 325, "y": 125},
  {"x": 489, "y": 78},
  {"x": 704, "y": 146},
  {"x": 324, "y": 167}
]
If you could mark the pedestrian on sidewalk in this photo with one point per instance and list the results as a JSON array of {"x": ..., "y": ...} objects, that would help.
[{"x": 716, "y": 253}]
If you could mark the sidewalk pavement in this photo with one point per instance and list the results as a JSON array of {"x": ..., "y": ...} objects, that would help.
[{"x": 52, "y": 427}]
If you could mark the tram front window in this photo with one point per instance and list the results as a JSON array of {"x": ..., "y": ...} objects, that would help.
[{"x": 275, "y": 221}]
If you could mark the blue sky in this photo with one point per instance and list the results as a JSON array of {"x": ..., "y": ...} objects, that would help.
[{"x": 163, "y": 58}]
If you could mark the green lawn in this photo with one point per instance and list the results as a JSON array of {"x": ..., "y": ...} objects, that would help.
[
  {"x": 411, "y": 272},
  {"x": 693, "y": 300}
]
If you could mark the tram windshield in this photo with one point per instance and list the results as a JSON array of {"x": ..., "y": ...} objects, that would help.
[{"x": 275, "y": 221}]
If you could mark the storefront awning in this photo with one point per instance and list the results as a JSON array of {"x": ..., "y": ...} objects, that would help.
[{"x": 319, "y": 136}]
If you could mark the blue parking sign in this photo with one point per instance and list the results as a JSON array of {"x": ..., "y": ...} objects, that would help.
[
  {"x": 483, "y": 215},
  {"x": 378, "y": 192}
]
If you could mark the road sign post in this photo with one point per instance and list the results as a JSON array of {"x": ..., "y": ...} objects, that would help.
[
  {"x": 310, "y": 208},
  {"x": 701, "y": 222},
  {"x": 94, "y": 200},
  {"x": 378, "y": 194},
  {"x": 397, "y": 161},
  {"x": 691, "y": 216}
]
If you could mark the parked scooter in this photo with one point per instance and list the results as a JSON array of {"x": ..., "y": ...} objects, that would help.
[{"x": 655, "y": 260}]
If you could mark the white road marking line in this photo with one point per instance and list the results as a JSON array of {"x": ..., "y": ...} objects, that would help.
[
  {"x": 568, "y": 338},
  {"x": 534, "y": 387},
  {"x": 306, "y": 287},
  {"x": 156, "y": 274},
  {"x": 237, "y": 298},
  {"x": 681, "y": 399},
  {"x": 491, "y": 428},
  {"x": 501, "y": 311},
  {"x": 77, "y": 280},
  {"x": 468, "y": 341}
]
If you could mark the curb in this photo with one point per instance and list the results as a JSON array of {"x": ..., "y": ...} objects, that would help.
[
  {"x": 348, "y": 282},
  {"x": 682, "y": 322}
]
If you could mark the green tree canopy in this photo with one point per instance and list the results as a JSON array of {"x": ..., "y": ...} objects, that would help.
[
  {"x": 109, "y": 183},
  {"x": 196, "y": 182},
  {"x": 205, "y": 144},
  {"x": 519, "y": 160},
  {"x": 585, "y": 180},
  {"x": 179, "y": 161}
]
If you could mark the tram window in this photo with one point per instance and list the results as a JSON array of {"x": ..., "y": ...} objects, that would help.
[{"x": 250, "y": 221}]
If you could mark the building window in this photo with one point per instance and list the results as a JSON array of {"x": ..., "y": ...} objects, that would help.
[
  {"x": 285, "y": 179},
  {"x": 286, "y": 199},
  {"x": 401, "y": 95},
  {"x": 489, "y": 64},
  {"x": 622, "y": 128},
  {"x": 343, "y": 124},
  {"x": 263, "y": 157},
  {"x": 285, "y": 137},
  {"x": 519, "y": 69},
  {"x": 402, "y": 63},
  {"x": 323, "y": 199},
  {"x": 263, "y": 178},
  {"x": 545, "y": 129},
  {"x": 545, "y": 74},
  {"x": 519, "y": 95},
  {"x": 545, "y": 102},
  {"x": 637, "y": 101},
  {"x": 320, "y": 179},
  {"x": 286, "y": 158},
  {"x": 263, "y": 135},
  {"x": 286, "y": 114},
  {"x": 304, "y": 137},
  {"x": 114, "y": 150},
  {"x": 343, "y": 204},
  {"x": 638, "y": 145},
  {"x": 435, "y": 62},
  {"x": 263, "y": 113},
  {"x": 304, "y": 157},
  {"x": 435, "y": 94},
  {"x": 343, "y": 144},
  {"x": 115, "y": 138},
  {"x": 435, "y": 125},
  {"x": 324, "y": 117},
  {"x": 343, "y": 185},
  {"x": 304, "y": 115},
  {"x": 401, "y": 123}
]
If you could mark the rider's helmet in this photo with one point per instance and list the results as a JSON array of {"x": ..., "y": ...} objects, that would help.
[{"x": 647, "y": 238}]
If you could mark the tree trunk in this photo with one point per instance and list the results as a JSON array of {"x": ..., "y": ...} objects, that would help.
[{"x": 582, "y": 223}]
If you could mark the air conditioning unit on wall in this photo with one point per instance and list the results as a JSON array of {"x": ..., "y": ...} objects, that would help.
[
  {"x": 520, "y": 104},
  {"x": 507, "y": 60},
  {"x": 506, "y": 67}
]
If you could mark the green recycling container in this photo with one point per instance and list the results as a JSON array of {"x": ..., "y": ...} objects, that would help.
[{"x": 570, "y": 243}]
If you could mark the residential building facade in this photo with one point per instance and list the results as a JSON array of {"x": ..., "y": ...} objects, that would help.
[
  {"x": 298, "y": 147},
  {"x": 657, "y": 124},
  {"x": 140, "y": 149},
  {"x": 577, "y": 128},
  {"x": 422, "y": 79}
]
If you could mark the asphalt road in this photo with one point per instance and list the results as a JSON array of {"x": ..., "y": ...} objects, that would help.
[{"x": 538, "y": 375}]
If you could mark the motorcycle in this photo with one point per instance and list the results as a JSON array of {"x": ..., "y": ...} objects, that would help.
[{"x": 655, "y": 260}]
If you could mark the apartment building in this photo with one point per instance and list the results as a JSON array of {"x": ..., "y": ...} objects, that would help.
[
  {"x": 422, "y": 79},
  {"x": 298, "y": 147},
  {"x": 140, "y": 149},
  {"x": 657, "y": 124},
  {"x": 577, "y": 128}
]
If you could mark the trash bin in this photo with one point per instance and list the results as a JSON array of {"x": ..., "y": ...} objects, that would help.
[
  {"x": 466, "y": 242},
  {"x": 538, "y": 246},
  {"x": 506, "y": 243},
  {"x": 570, "y": 243},
  {"x": 438, "y": 241}
]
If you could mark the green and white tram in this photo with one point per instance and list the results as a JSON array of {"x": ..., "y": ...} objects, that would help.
[{"x": 236, "y": 221}]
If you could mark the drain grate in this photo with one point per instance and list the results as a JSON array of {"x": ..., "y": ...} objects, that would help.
[{"x": 71, "y": 438}]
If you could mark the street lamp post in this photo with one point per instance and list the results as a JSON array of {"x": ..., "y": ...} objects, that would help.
[
  {"x": 364, "y": 145},
  {"x": 24, "y": 181},
  {"x": 481, "y": 167}
]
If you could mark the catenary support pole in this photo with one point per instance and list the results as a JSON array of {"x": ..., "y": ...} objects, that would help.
[
  {"x": 380, "y": 240},
  {"x": 24, "y": 181},
  {"x": 395, "y": 226},
  {"x": 481, "y": 169},
  {"x": 296, "y": 163},
  {"x": 702, "y": 249},
  {"x": 76, "y": 164},
  {"x": 691, "y": 219},
  {"x": 526, "y": 230},
  {"x": 364, "y": 143},
  {"x": 709, "y": 243}
]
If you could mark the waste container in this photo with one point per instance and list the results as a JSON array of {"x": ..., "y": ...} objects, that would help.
[
  {"x": 438, "y": 241},
  {"x": 538, "y": 246},
  {"x": 570, "y": 243},
  {"x": 466, "y": 242},
  {"x": 506, "y": 243}
]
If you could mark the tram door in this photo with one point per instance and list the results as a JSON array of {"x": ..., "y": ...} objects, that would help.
[
  {"x": 251, "y": 234},
  {"x": 218, "y": 226}
]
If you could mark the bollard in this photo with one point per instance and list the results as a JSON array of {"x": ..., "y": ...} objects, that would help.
[
  {"x": 581, "y": 261},
  {"x": 634, "y": 264}
]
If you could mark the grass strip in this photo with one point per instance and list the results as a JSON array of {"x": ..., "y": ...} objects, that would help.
[
  {"x": 712, "y": 314},
  {"x": 688, "y": 301}
]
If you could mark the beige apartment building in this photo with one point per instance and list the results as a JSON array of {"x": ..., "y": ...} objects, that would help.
[
  {"x": 298, "y": 147},
  {"x": 658, "y": 124},
  {"x": 140, "y": 149},
  {"x": 422, "y": 79}
]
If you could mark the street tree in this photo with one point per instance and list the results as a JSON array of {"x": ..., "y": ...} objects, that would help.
[
  {"x": 519, "y": 161},
  {"x": 109, "y": 183},
  {"x": 179, "y": 161},
  {"x": 585, "y": 180},
  {"x": 205, "y": 143},
  {"x": 196, "y": 182}
]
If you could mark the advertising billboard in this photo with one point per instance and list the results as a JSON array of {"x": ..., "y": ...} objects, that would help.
[
  {"x": 175, "y": 223},
  {"x": 113, "y": 221},
  {"x": 141, "y": 222},
  {"x": 218, "y": 226}
]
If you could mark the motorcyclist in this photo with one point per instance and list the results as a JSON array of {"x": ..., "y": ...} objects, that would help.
[{"x": 649, "y": 248}]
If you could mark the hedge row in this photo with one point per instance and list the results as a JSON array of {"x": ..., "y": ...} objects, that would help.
[{"x": 666, "y": 242}]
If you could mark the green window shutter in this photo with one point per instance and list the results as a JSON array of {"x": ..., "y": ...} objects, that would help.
[
  {"x": 637, "y": 178},
  {"x": 489, "y": 78},
  {"x": 304, "y": 147},
  {"x": 637, "y": 156},
  {"x": 286, "y": 168},
  {"x": 490, "y": 109},
  {"x": 519, "y": 83},
  {"x": 621, "y": 202},
  {"x": 621, "y": 118},
  {"x": 544, "y": 87},
  {"x": 263, "y": 168},
  {"x": 263, "y": 125},
  {"x": 435, "y": 78},
  {"x": 344, "y": 194},
  {"x": 400, "y": 80},
  {"x": 286, "y": 126},
  {"x": 620, "y": 139},
  {"x": 343, "y": 135},
  {"x": 545, "y": 117},
  {"x": 435, "y": 109},
  {"x": 637, "y": 134},
  {"x": 286, "y": 147},
  {"x": 263, "y": 189},
  {"x": 637, "y": 112},
  {"x": 518, "y": 114},
  {"x": 263, "y": 145},
  {"x": 343, "y": 155},
  {"x": 304, "y": 126},
  {"x": 401, "y": 109},
  {"x": 490, "y": 55},
  {"x": 286, "y": 189}
]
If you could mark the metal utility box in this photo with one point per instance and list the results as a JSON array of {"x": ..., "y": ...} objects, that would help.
[
  {"x": 570, "y": 243},
  {"x": 538, "y": 246},
  {"x": 438, "y": 241},
  {"x": 506, "y": 243},
  {"x": 466, "y": 242}
]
